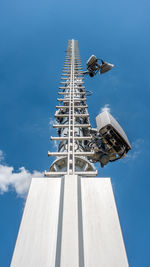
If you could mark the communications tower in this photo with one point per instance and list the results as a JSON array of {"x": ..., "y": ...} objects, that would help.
[
  {"x": 72, "y": 120},
  {"x": 70, "y": 217}
]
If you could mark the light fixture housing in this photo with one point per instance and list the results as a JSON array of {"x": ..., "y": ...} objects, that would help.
[
  {"x": 105, "y": 66},
  {"x": 113, "y": 134}
]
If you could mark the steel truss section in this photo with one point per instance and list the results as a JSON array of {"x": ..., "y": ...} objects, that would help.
[{"x": 72, "y": 120}]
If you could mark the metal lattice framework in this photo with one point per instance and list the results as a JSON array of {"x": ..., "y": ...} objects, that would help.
[{"x": 73, "y": 120}]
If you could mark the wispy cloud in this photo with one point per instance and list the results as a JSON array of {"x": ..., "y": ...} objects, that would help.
[
  {"x": 136, "y": 150},
  {"x": 105, "y": 108},
  {"x": 18, "y": 181},
  {"x": 54, "y": 143},
  {"x": 1, "y": 155},
  {"x": 52, "y": 121}
]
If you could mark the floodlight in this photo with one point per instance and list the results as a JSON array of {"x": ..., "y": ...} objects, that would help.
[
  {"x": 105, "y": 66},
  {"x": 93, "y": 67},
  {"x": 113, "y": 134}
]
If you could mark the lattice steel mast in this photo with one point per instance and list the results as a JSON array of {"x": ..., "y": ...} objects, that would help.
[{"x": 73, "y": 120}]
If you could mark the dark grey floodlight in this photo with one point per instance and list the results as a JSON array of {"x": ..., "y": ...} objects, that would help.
[
  {"x": 105, "y": 66},
  {"x": 93, "y": 67}
]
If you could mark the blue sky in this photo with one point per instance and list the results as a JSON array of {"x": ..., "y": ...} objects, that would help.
[{"x": 33, "y": 37}]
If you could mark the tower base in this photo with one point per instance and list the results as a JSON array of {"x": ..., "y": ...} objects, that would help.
[{"x": 70, "y": 222}]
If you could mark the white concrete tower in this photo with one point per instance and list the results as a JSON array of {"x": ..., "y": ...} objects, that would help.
[{"x": 70, "y": 217}]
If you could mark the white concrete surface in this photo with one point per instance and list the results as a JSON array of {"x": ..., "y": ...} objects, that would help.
[
  {"x": 102, "y": 237},
  {"x": 70, "y": 222},
  {"x": 37, "y": 237},
  {"x": 70, "y": 243}
]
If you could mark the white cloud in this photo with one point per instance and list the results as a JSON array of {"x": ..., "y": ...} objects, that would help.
[
  {"x": 18, "y": 181},
  {"x": 55, "y": 145},
  {"x": 54, "y": 142},
  {"x": 52, "y": 121},
  {"x": 105, "y": 108},
  {"x": 136, "y": 148},
  {"x": 1, "y": 155}
]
